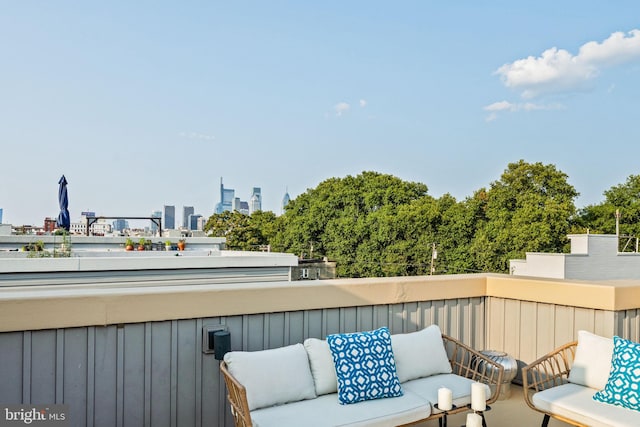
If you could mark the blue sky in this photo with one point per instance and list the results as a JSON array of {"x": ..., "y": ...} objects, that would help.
[{"x": 142, "y": 104}]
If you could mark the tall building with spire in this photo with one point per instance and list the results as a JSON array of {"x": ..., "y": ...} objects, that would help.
[
  {"x": 285, "y": 200},
  {"x": 227, "y": 196}
]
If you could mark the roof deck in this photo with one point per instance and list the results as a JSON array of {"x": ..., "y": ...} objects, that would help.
[{"x": 124, "y": 345}]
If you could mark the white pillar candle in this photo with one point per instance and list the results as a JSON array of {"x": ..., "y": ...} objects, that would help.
[
  {"x": 445, "y": 399},
  {"x": 478, "y": 397},
  {"x": 474, "y": 420}
]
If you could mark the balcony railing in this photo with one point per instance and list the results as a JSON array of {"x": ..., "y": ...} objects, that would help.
[{"x": 129, "y": 351}]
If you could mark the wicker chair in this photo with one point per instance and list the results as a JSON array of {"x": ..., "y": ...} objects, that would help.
[
  {"x": 549, "y": 371},
  {"x": 464, "y": 360},
  {"x": 237, "y": 399}
]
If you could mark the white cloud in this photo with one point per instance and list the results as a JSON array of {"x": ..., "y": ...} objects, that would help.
[
  {"x": 617, "y": 49},
  {"x": 363, "y": 103},
  {"x": 557, "y": 70},
  {"x": 499, "y": 106},
  {"x": 491, "y": 117},
  {"x": 506, "y": 106},
  {"x": 198, "y": 136},
  {"x": 341, "y": 107}
]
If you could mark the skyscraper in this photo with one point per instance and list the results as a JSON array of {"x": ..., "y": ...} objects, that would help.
[
  {"x": 0, "y": 215},
  {"x": 285, "y": 200},
  {"x": 120, "y": 224},
  {"x": 201, "y": 222},
  {"x": 193, "y": 222},
  {"x": 169, "y": 214},
  {"x": 154, "y": 226},
  {"x": 186, "y": 211},
  {"x": 241, "y": 206},
  {"x": 255, "y": 202},
  {"x": 227, "y": 196}
]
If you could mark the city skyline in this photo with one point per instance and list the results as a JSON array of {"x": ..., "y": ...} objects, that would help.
[
  {"x": 142, "y": 106},
  {"x": 186, "y": 221}
]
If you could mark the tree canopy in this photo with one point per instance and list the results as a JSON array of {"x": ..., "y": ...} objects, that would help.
[
  {"x": 529, "y": 208},
  {"x": 352, "y": 220},
  {"x": 601, "y": 218},
  {"x": 376, "y": 224}
]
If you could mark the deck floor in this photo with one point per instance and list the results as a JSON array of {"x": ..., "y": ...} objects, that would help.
[{"x": 512, "y": 412}]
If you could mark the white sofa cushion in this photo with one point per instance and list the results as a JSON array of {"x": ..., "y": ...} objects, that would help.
[
  {"x": 427, "y": 388},
  {"x": 420, "y": 354},
  {"x": 575, "y": 402},
  {"x": 322, "y": 367},
  {"x": 592, "y": 362},
  {"x": 272, "y": 377},
  {"x": 325, "y": 411}
]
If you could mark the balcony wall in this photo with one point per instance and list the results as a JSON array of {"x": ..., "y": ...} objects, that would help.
[{"x": 132, "y": 355}]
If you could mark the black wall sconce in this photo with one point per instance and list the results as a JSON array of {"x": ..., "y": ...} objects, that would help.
[{"x": 216, "y": 339}]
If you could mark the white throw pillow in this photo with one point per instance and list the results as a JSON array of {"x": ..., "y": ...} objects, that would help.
[
  {"x": 272, "y": 377},
  {"x": 323, "y": 369},
  {"x": 420, "y": 354},
  {"x": 592, "y": 362}
]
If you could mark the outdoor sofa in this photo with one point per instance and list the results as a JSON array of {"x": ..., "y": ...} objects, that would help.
[
  {"x": 594, "y": 381},
  {"x": 298, "y": 384}
]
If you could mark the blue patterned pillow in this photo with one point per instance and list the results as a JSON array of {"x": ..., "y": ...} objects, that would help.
[
  {"x": 623, "y": 386},
  {"x": 364, "y": 366}
]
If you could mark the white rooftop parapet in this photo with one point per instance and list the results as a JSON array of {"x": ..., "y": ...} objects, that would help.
[
  {"x": 592, "y": 257},
  {"x": 149, "y": 261}
]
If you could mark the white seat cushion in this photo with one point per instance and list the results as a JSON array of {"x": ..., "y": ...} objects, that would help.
[
  {"x": 592, "y": 362},
  {"x": 322, "y": 367},
  {"x": 272, "y": 377},
  {"x": 427, "y": 388},
  {"x": 325, "y": 411},
  {"x": 576, "y": 402},
  {"x": 420, "y": 354}
]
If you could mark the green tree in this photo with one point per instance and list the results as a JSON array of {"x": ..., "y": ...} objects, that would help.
[
  {"x": 455, "y": 232},
  {"x": 242, "y": 232},
  {"x": 351, "y": 220},
  {"x": 529, "y": 209},
  {"x": 600, "y": 218},
  {"x": 265, "y": 225}
]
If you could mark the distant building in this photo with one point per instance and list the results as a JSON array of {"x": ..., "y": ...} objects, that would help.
[
  {"x": 99, "y": 228},
  {"x": 154, "y": 226},
  {"x": 192, "y": 222},
  {"x": 241, "y": 206},
  {"x": 227, "y": 195},
  {"x": 592, "y": 257},
  {"x": 314, "y": 269},
  {"x": 49, "y": 225},
  {"x": 169, "y": 217},
  {"x": 186, "y": 211},
  {"x": 285, "y": 201},
  {"x": 120, "y": 224},
  {"x": 255, "y": 202},
  {"x": 0, "y": 215},
  {"x": 201, "y": 223}
]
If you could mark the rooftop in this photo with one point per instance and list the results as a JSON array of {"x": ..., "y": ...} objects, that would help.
[{"x": 134, "y": 336}]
